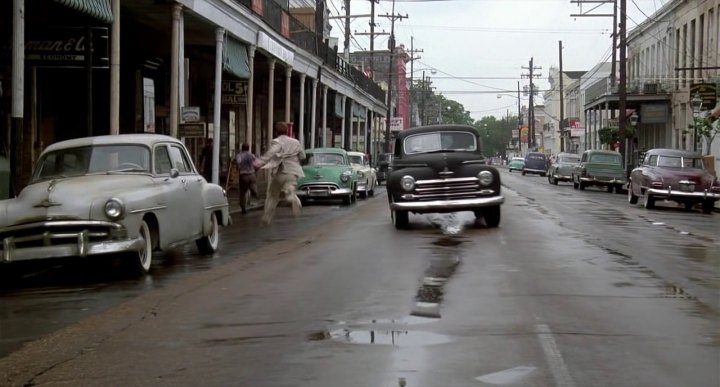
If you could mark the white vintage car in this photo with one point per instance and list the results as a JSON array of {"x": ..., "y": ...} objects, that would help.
[
  {"x": 130, "y": 194},
  {"x": 366, "y": 175}
]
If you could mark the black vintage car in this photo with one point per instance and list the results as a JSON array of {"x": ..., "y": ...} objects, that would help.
[{"x": 441, "y": 168}]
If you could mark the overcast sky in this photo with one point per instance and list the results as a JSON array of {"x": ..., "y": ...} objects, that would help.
[{"x": 490, "y": 40}]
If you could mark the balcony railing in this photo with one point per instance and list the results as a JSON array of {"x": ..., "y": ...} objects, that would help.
[
  {"x": 311, "y": 41},
  {"x": 636, "y": 86}
]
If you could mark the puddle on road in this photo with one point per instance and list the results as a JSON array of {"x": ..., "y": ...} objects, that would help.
[{"x": 400, "y": 338}]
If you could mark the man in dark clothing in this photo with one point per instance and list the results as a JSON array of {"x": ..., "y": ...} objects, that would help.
[
  {"x": 206, "y": 159},
  {"x": 245, "y": 161}
]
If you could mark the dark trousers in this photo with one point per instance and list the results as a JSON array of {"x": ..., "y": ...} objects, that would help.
[{"x": 247, "y": 183}]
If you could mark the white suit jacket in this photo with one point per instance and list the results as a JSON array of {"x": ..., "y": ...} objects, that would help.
[{"x": 285, "y": 154}]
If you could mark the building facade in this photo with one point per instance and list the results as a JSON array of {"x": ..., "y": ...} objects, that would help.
[{"x": 192, "y": 69}]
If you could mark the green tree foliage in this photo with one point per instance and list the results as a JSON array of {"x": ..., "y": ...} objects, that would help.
[{"x": 496, "y": 134}]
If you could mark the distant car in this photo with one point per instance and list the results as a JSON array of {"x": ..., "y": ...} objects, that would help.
[
  {"x": 601, "y": 168},
  {"x": 328, "y": 175},
  {"x": 516, "y": 164},
  {"x": 677, "y": 175},
  {"x": 441, "y": 168},
  {"x": 366, "y": 175},
  {"x": 535, "y": 163},
  {"x": 130, "y": 194},
  {"x": 383, "y": 165},
  {"x": 561, "y": 169}
]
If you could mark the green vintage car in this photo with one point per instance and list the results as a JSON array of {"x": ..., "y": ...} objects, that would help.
[
  {"x": 328, "y": 175},
  {"x": 602, "y": 168}
]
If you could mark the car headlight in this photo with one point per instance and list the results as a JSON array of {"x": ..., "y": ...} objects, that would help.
[
  {"x": 407, "y": 183},
  {"x": 345, "y": 177},
  {"x": 486, "y": 178},
  {"x": 114, "y": 209}
]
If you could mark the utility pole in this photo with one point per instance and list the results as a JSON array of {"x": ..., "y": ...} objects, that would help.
[
  {"x": 622, "y": 87},
  {"x": 531, "y": 103},
  {"x": 372, "y": 35},
  {"x": 391, "y": 46},
  {"x": 519, "y": 126},
  {"x": 347, "y": 31},
  {"x": 621, "y": 35},
  {"x": 412, "y": 70},
  {"x": 562, "y": 102}
]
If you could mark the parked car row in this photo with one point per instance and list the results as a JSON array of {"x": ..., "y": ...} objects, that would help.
[
  {"x": 333, "y": 173},
  {"x": 675, "y": 175},
  {"x": 664, "y": 174},
  {"x": 129, "y": 195}
]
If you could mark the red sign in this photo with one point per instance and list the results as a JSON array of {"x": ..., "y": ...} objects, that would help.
[
  {"x": 257, "y": 7},
  {"x": 285, "y": 25}
]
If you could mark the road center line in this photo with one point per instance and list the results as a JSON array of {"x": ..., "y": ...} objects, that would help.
[{"x": 554, "y": 357}]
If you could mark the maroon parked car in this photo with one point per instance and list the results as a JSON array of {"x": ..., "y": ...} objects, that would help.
[{"x": 672, "y": 174}]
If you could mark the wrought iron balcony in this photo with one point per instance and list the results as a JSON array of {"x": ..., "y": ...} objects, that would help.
[{"x": 279, "y": 19}]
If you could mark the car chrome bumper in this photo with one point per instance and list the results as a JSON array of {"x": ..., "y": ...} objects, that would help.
[
  {"x": 531, "y": 170},
  {"x": 454, "y": 204},
  {"x": 562, "y": 177},
  {"x": 319, "y": 194},
  {"x": 604, "y": 182},
  {"x": 83, "y": 248},
  {"x": 362, "y": 187},
  {"x": 672, "y": 194}
]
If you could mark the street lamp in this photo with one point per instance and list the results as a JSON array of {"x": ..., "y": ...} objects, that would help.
[{"x": 696, "y": 103}]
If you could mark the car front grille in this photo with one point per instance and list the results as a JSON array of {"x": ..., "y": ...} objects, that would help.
[
  {"x": 454, "y": 188},
  {"x": 59, "y": 233},
  {"x": 318, "y": 187}
]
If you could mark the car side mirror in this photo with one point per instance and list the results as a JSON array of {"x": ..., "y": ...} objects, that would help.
[{"x": 174, "y": 173}]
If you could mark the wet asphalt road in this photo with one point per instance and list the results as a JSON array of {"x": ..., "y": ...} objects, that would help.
[{"x": 576, "y": 288}]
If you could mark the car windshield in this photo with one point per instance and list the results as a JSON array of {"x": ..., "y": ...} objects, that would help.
[
  {"x": 440, "y": 141},
  {"x": 324, "y": 159},
  {"x": 92, "y": 160},
  {"x": 355, "y": 159},
  {"x": 604, "y": 158},
  {"x": 679, "y": 162},
  {"x": 569, "y": 159}
]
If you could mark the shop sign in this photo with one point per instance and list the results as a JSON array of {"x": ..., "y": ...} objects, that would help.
[
  {"x": 396, "y": 123},
  {"x": 707, "y": 91},
  {"x": 65, "y": 47},
  {"x": 234, "y": 92},
  {"x": 191, "y": 130},
  {"x": 515, "y": 133},
  {"x": 190, "y": 113}
]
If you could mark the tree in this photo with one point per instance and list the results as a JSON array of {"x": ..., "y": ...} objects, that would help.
[{"x": 709, "y": 127}]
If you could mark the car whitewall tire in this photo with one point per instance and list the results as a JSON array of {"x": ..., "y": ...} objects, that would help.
[
  {"x": 143, "y": 257},
  {"x": 632, "y": 199},
  {"x": 208, "y": 244},
  {"x": 648, "y": 201}
]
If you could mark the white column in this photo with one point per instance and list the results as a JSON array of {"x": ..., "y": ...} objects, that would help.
[
  {"x": 174, "y": 69},
  {"x": 301, "y": 113},
  {"x": 365, "y": 133},
  {"x": 357, "y": 138},
  {"x": 219, "y": 39},
  {"x": 271, "y": 101},
  {"x": 181, "y": 62},
  {"x": 288, "y": 85},
  {"x": 343, "y": 129},
  {"x": 342, "y": 126},
  {"x": 324, "y": 117},
  {"x": 115, "y": 69},
  {"x": 313, "y": 114},
  {"x": 249, "y": 131}
]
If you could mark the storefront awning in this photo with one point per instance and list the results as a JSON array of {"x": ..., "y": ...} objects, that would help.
[
  {"x": 99, "y": 9},
  {"x": 235, "y": 59}
]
